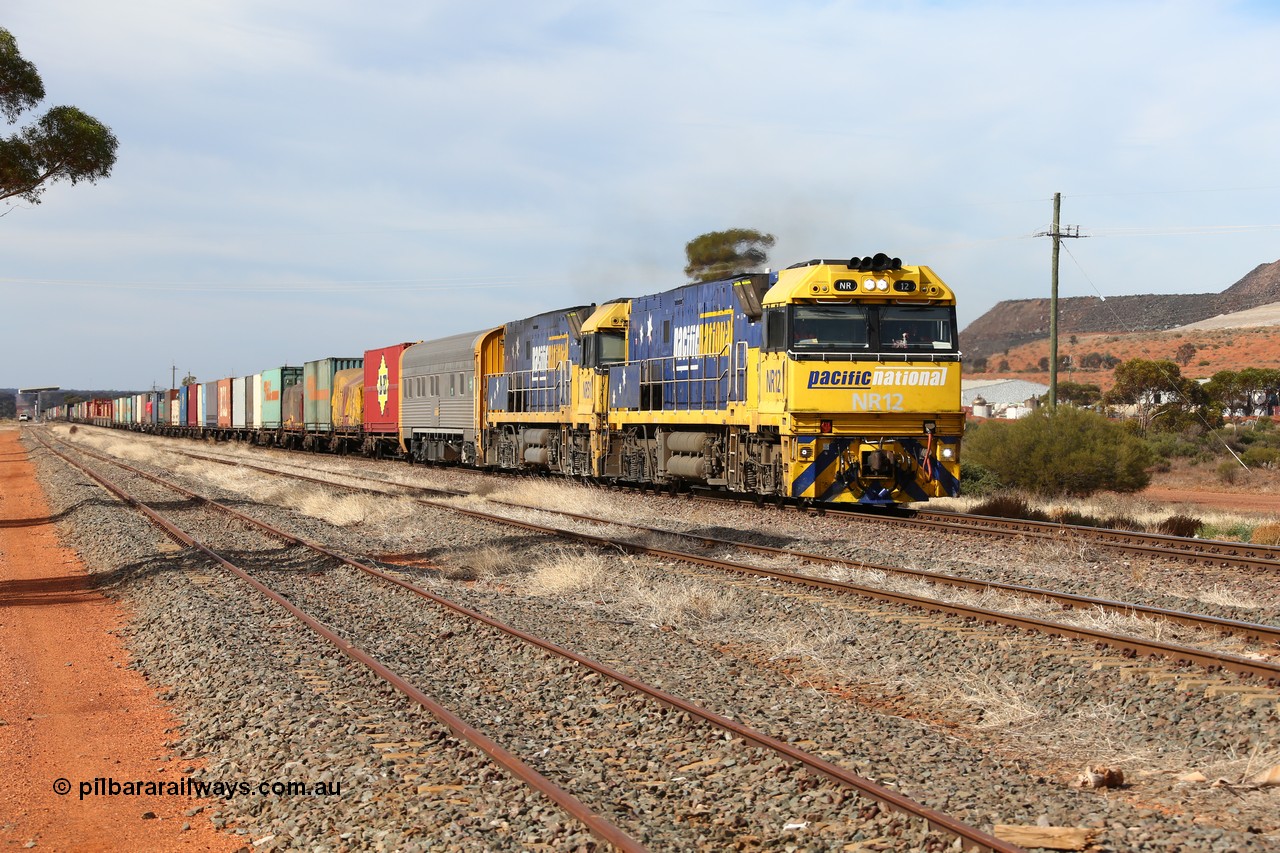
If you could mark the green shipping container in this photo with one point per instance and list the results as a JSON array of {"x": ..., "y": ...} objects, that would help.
[{"x": 274, "y": 381}]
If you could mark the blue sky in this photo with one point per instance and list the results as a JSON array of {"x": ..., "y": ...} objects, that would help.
[{"x": 310, "y": 178}]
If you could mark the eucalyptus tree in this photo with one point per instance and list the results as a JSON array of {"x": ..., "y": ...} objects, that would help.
[{"x": 63, "y": 144}]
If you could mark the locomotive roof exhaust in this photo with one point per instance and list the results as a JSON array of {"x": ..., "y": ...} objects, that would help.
[{"x": 874, "y": 263}]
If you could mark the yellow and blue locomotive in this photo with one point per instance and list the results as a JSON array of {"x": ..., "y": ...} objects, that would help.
[{"x": 830, "y": 381}]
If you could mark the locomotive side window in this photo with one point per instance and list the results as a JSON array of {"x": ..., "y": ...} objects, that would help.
[
  {"x": 830, "y": 328},
  {"x": 918, "y": 328},
  {"x": 775, "y": 329}
]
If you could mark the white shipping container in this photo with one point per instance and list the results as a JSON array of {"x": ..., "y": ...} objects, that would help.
[
  {"x": 237, "y": 402},
  {"x": 255, "y": 420}
]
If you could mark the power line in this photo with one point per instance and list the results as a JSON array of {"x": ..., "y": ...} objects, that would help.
[
  {"x": 1057, "y": 233},
  {"x": 1164, "y": 374}
]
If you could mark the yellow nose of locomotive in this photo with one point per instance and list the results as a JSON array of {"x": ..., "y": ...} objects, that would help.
[{"x": 836, "y": 469}]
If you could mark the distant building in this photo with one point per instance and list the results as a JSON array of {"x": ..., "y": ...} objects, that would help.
[{"x": 1003, "y": 398}]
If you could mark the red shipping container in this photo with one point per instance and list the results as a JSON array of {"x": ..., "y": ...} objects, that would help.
[{"x": 382, "y": 389}]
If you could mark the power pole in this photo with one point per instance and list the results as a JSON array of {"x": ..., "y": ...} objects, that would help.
[
  {"x": 1057, "y": 233},
  {"x": 173, "y": 371}
]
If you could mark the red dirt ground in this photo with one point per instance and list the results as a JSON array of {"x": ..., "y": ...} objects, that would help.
[
  {"x": 1230, "y": 501},
  {"x": 69, "y": 708}
]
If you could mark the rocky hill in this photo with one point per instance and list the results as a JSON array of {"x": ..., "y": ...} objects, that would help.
[{"x": 1020, "y": 321}]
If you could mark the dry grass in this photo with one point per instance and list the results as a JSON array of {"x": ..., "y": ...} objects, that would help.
[
  {"x": 1231, "y": 597},
  {"x": 823, "y": 642},
  {"x": 340, "y": 510},
  {"x": 486, "y": 561},
  {"x": 998, "y": 705},
  {"x": 551, "y": 494},
  {"x": 1266, "y": 534},
  {"x": 1097, "y": 619},
  {"x": 1238, "y": 769},
  {"x": 568, "y": 570},
  {"x": 679, "y": 601},
  {"x": 1144, "y": 514}
]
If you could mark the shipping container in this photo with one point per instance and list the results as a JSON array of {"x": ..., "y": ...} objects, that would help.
[
  {"x": 237, "y": 402},
  {"x": 382, "y": 389},
  {"x": 274, "y": 383},
  {"x": 317, "y": 397},
  {"x": 224, "y": 404},
  {"x": 255, "y": 413},
  {"x": 195, "y": 399},
  {"x": 171, "y": 408},
  {"x": 293, "y": 408},
  {"x": 248, "y": 401},
  {"x": 348, "y": 400},
  {"x": 209, "y": 393},
  {"x": 184, "y": 404}
]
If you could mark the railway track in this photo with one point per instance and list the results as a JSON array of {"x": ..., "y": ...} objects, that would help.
[
  {"x": 1213, "y": 552},
  {"x": 1264, "y": 667},
  {"x": 606, "y": 828}
]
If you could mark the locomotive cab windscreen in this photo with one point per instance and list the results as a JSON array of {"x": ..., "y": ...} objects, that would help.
[
  {"x": 603, "y": 348},
  {"x": 827, "y": 328}
]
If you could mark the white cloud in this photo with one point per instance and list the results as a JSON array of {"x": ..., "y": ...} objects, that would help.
[{"x": 576, "y": 146}]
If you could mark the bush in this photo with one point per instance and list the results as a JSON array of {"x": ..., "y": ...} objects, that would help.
[
  {"x": 1266, "y": 534},
  {"x": 1261, "y": 457},
  {"x": 1120, "y": 522},
  {"x": 1168, "y": 445},
  {"x": 1236, "y": 532},
  {"x": 1228, "y": 471},
  {"x": 1066, "y": 451},
  {"x": 1008, "y": 506},
  {"x": 1179, "y": 525},
  {"x": 978, "y": 481}
]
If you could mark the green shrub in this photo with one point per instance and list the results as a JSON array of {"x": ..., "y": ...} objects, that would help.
[
  {"x": 1228, "y": 471},
  {"x": 1261, "y": 457},
  {"x": 978, "y": 480},
  {"x": 1237, "y": 532},
  {"x": 1067, "y": 451},
  {"x": 1170, "y": 445}
]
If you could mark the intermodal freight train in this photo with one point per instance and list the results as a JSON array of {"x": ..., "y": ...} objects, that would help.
[{"x": 829, "y": 381}]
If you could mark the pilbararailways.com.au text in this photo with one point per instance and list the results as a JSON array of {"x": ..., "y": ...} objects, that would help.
[{"x": 109, "y": 787}]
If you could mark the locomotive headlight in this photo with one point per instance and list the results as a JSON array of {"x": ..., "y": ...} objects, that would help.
[
  {"x": 948, "y": 453},
  {"x": 806, "y": 452},
  {"x": 869, "y": 284},
  {"x": 882, "y": 285}
]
